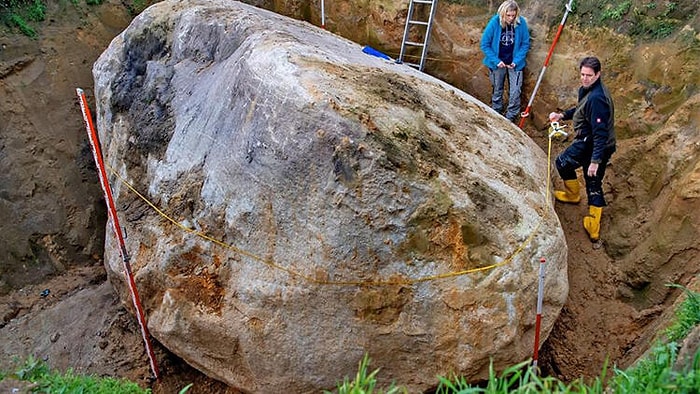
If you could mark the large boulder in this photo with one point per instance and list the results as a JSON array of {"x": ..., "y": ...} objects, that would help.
[{"x": 292, "y": 203}]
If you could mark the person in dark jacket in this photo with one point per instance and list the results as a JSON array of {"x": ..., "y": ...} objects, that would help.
[
  {"x": 593, "y": 120},
  {"x": 505, "y": 43}
]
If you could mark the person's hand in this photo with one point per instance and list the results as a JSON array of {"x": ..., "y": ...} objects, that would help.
[
  {"x": 592, "y": 169},
  {"x": 512, "y": 65},
  {"x": 555, "y": 116},
  {"x": 501, "y": 65}
]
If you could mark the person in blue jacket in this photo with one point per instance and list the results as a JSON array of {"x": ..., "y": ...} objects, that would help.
[
  {"x": 594, "y": 122},
  {"x": 505, "y": 43}
]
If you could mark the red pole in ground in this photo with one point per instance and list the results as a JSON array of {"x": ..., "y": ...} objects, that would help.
[
  {"x": 97, "y": 154},
  {"x": 538, "y": 320},
  {"x": 546, "y": 63}
]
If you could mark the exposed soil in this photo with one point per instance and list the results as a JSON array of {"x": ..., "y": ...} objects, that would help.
[{"x": 66, "y": 311}]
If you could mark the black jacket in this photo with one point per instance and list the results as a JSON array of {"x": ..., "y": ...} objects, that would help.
[{"x": 594, "y": 118}]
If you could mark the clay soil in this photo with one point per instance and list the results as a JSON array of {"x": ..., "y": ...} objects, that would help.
[{"x": 73, "y": 319}]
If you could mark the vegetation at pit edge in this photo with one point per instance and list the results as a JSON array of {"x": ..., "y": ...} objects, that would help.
[
  {"x": 641, "y": 19},
  {"x": 657, "y": 372},
  {"x": 41, "y": 379},
  {"x": 27, "y": 16},
  {"x": 22, "y": 15}
]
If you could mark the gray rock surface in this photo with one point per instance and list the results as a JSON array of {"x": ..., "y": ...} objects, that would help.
[{"x": 317, "y": 203}]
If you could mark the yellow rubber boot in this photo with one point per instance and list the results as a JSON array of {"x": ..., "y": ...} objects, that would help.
[
  {"x": 570, "y": 194},
  {"x": 592, "y": 222}
]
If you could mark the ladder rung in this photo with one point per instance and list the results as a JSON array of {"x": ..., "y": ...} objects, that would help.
[{"x": 414, "y": 22}]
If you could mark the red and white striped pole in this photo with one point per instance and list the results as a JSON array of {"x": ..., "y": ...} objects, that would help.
[
  {"x": 538, "y": 319},
  {"x": 544, "y": 68},
  {"x": 97, "y": 154},
  {"x": 323, "y": 16}
]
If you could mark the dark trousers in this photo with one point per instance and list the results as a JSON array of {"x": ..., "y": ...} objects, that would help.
[{"x": 578, "y": 155}]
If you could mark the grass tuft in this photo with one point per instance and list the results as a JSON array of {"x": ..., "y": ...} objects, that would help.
[
  {"x": 47, "y": 381},
  {"x": 687, "y": 315},
  {"x": 365, "y": 383},
  {"x": 20, "y": 14},
  {"x": 656, "y": 373}
]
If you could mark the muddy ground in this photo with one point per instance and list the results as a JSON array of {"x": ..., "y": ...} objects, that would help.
[{"x": 56, "y": 301}]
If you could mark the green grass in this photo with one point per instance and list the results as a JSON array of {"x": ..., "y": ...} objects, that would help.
[
  {"x": 656, "y": 373},
  {"x": 616, "y": 11},
  {"x": 16, "y": 21},
  {"x": 641, "y": 20},
  {"x": 137, "y": 6},
  {"x": 26, "y": 15},
  {"x": 687, "y": 315},
  {"x": 22, "y": 14},
  {"x": 365, "y": 383},
  {"x": 653, "y": 374},
  {"x": 47, "y": 381},
  {"x": 518, "y": 379}
]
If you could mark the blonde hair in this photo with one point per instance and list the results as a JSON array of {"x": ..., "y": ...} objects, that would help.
[{"x": 509, "y": 5}]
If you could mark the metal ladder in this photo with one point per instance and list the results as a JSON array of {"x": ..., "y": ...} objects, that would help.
[{"x": 422, "y": 30}]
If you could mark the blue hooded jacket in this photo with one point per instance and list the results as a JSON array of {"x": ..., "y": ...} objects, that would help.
[{"x": 490, "y": 42}]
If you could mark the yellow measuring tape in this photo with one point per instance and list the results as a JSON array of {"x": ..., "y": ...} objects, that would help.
[{"x": 317, "y": 281}]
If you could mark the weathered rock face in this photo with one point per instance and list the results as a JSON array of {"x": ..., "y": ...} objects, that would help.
[{"x": 318, "y": 203}]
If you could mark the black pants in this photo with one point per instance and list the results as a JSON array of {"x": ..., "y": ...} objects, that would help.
[{"x": 578, "y": 155}]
